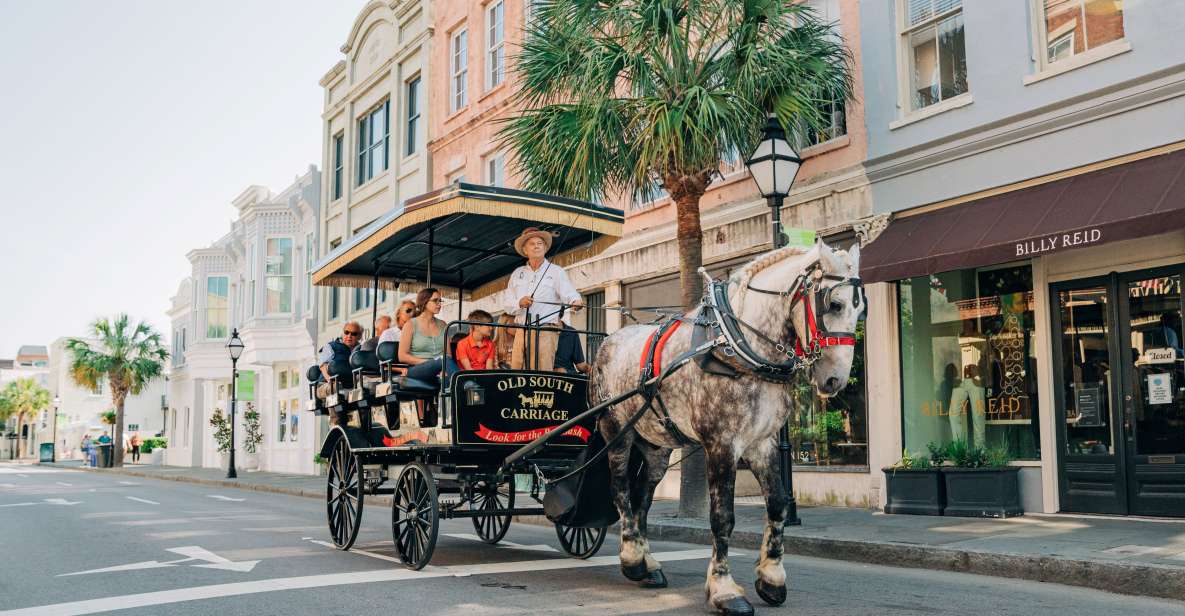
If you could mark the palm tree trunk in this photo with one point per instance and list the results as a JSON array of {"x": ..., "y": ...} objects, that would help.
[
  {"x": 21, "y": 445},
  {"x": 693, "y": 485},
  {"x": 117, "y": 438}
]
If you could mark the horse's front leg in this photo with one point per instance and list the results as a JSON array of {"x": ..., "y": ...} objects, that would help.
[
  {"x": 654, "y": 466},
  {"x": 723, "y": 592},
  {"x": 771, "y": 574},
  {"x": 633, "y": 550}
]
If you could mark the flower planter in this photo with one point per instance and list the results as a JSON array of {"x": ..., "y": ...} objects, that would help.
[
  {"x": 982, "y": 492},
  {"x": 916, "y": 491}
]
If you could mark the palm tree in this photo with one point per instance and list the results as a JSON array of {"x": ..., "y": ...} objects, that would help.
[
  {"x": 23, "y": 398},
  {"x": 127, "y": 357},
  {"x": 619, "y": 97}
]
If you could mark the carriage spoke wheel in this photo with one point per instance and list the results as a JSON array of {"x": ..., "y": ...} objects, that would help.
[
  {"x": 580, "y": 542},
  {"x": 491, "y": 498},
  {"x": 415, "y": 516},
  {"x": 344, "y": 495}
]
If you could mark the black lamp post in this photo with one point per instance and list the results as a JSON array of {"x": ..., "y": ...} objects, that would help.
[
  {"x": 773, "y": 165},
  {"x": 235, "y": 347},
  {"x": 53, "y": 456}
]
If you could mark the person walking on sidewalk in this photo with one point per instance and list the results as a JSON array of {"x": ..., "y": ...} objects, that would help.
[
  {"x": 88, "y": 451},
  {"x": 135, "y": 443}
]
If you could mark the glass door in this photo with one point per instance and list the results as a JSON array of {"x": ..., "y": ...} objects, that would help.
[
  {"x": 1154, "y": 392},
  {"x": 1091, "y": 477}
]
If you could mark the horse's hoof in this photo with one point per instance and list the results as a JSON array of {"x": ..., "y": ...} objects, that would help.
[
  {"x": 654, "y": 579},
  {"x": 772, "y": 595},
  {"x": 735, "y": 606},
  {"x": 636, "y": 573}
]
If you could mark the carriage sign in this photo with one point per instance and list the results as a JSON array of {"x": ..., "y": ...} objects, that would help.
[{"x": 514, "y": 408}]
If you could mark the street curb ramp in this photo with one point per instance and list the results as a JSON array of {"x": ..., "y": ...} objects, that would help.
[{"x": 1147, "y": 580}]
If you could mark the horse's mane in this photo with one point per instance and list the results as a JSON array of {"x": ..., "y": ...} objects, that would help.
[{"x": 743, "y": 276}]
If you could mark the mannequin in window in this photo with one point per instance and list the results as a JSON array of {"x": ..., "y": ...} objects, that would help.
[{"x": 967, "y": 397}]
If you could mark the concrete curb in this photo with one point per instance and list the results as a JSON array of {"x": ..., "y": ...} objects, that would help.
[{"x": 1147, "y": 580}]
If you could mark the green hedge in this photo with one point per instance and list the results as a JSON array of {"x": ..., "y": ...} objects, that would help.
[{"x": 153, "y": 442}]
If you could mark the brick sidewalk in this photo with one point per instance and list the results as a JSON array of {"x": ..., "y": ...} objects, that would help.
[{"x": 1136, "y": 556}]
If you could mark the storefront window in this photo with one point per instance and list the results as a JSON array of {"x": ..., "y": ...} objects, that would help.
[
  {"x": 832, "y": 432},
  {"x": 968, "y": 361}
]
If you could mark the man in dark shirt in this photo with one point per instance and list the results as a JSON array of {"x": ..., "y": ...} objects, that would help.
[{"x": 569, "y": 356}]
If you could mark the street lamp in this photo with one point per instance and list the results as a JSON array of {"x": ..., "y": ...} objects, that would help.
[
  {"x": 53, "y": 454},
  {"x": 773, "y": 165},
  {"x": 235, "y": 348}
]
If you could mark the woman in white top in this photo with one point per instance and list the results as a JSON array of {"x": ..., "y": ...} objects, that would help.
[{"x": 402, "y": 315}]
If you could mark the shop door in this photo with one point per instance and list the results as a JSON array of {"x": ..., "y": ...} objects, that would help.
[{"x": 1121, "y": 396}]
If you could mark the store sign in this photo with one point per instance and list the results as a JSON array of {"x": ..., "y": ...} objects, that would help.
[
  {"x": 1088, "y": 407},
  {"x": 1059, "y": 241},
  {"x": 1157, "y": 356},
  {"x": 793, "y": 236},
  {"x": 1160, "y": 388},
  {"x": 245, "y": 386}
]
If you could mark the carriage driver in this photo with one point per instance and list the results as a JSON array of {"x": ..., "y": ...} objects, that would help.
[
  {"x": 533, "y": 293},
  {"x": 337, "y": 350}
]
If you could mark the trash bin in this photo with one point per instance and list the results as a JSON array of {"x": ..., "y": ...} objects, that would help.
[
  {"x": 46, "y": 453},
  {"x": 105, "y": 455}
]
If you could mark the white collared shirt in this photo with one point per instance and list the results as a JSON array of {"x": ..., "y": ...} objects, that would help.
[{"x": 547, "y": 285}]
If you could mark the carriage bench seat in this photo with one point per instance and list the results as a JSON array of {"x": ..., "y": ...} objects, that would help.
[{"x": 402, "y": 388}]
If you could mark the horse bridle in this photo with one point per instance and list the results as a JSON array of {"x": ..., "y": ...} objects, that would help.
[{"x": 817, "y": 301}]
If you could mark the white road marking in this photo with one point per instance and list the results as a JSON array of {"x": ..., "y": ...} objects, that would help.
[
  {"x": 7, "y": 485},
  {"x": 18, "y": 504},
  {"x": 190, "y": 552},
  {"x": 364, "y": 553},
  {"x": 61, "y": 501},
  {"x": 155, "y": 522},
  {"x": 142, "y": 500},
  {"x": 24, "y": 470},
  {"x": 542, "y": 547},
  {"x": 115, "y": 514},
  {"x": 128, "y": 483},
  {"x": 183, "y": 534},
  {"x": 215, "y": 591},
  {"x": 284, "y": 529},
  {"x": 63, "y": 483},
  {"x": 226, "y": 498}
]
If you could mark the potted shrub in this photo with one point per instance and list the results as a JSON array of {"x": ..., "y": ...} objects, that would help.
[
  {"x": 981, "y": 484},
  {"x": 222, "y": 429},
  {"x": 915, "y": 483},
  {"x": 252, "y": 437}
]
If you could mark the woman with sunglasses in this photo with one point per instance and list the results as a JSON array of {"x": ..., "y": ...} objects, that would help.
[
  {"x": 402, "y": 315},
  {"x": 421, "y": 344}
]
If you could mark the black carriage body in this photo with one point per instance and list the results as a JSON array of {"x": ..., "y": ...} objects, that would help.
[{"x": 507, "y": 409}]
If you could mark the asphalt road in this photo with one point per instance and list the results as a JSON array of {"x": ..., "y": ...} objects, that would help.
[{"x": 73, "y": 542}]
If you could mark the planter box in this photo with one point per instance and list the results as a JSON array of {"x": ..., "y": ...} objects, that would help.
[
  {"x": 983, "y": 492},
  {"x": 916, "y": 491}
]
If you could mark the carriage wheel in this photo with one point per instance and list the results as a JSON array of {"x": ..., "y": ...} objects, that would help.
[
  {"x": 415, "y": 516},
  {"x": 580, "y": 542},
  {"x": 344, "y": 495},
  {"x": 491, "y": 497}
]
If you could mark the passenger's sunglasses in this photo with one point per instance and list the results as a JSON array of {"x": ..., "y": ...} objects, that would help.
[
  {"x": 436, "y": 300},
  {"x": 349, "y": 332}
]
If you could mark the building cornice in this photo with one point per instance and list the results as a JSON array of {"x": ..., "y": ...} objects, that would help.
[
  {"x": 359, "y": 21},
  {"x": 333, "y": 73}
]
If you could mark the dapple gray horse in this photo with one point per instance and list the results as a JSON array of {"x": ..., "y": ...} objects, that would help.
[{"x": 732, "y": 418}]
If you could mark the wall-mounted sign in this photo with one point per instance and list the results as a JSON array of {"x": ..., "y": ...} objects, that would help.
[
  {"x": 1160, "y": 388},
  {"x": 1088, "y": 402},
  {"x": 245, "y": 387},
  {"x": 1157, "y": 356},
  {"x": 1058, "y": 241}
]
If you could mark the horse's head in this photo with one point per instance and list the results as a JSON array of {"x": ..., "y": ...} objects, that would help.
[{"x": 837, "y": 303}]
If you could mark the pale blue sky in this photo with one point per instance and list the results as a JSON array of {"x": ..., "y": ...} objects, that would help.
[{"x": 127, "y": 126}]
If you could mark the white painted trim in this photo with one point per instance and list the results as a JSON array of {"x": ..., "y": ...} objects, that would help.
[
  {"x": 1098, "y": 54},
  {"x": 954, "y": 102},
  {"x": 1047, "y": 414}
]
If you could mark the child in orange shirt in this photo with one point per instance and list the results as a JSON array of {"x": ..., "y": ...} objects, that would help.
[{"x": 476, "y": 351}]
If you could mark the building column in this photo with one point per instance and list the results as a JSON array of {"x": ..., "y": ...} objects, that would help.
[
  {"x": 881, "y": 352},
  {"x": 613, "y": 318}
]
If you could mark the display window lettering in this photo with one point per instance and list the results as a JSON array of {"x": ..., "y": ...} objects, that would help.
[{"x": 967, "y": 360}]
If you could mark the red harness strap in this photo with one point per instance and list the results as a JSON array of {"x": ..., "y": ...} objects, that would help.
[
  {"x": 814, "y": 341},
  {"x": 657, "y": 348}
]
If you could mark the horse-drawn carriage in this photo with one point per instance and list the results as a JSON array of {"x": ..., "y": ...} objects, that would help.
[{"x": 438, "y": 447}]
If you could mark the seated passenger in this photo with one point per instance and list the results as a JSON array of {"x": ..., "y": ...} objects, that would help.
[
  {"x": 337, "y": 352},
  {"x": 504, "y": 341},
  {"x": 476, "y": 351},
  {"x": 402, "y": 315},
  {"x": 421, "y": 344},
  {"x": 381, "y": 326},
  {"x": 569, "y": 355}
]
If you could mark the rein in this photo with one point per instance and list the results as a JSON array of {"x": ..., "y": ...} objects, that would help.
[{"x": 817, "y": 302}]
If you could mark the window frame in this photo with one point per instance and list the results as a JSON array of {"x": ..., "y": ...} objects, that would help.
[
  {"x": 291, "y": 275},
  {"x": 905, "y": 89},
  {"x": 211, "y": 334},
  {"x": 368, "y": 146},
  {"x": 333, "y": 309},
  {"x": 413, "y": 101},
  {"x": 495, "y": 51},
  {"x": 497, "y": 159},
  {"x": 339, "y": 166},
  {"x": 459, "y": 70},
  {"x": 1040, "y": 36}
]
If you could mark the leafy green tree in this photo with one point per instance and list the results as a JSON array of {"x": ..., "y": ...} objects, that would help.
[
  {"x": 23, "y": 398},
  {"x": 128, "y": 357},
  {"x": 620, "y": 97}
]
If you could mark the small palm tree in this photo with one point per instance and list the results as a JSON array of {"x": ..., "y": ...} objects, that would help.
[
  {"x": 23, "y": 398},
  {"x": 625, "y": 96},
  {"x": 127, "y": 357}
]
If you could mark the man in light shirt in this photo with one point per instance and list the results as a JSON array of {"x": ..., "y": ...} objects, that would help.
[{"x": 533, "y": 295}]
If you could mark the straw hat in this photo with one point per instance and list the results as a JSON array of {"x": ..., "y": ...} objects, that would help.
[{"x": 529, "y": 233}]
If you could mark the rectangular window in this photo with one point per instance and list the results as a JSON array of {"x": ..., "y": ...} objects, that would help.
[
  {"x": 936, "y": 60},
  {"x": 413, "y": 117},
  {"x": 310, "y": 257},
  {"x": 1071, "y": 27},
  {"x": 595, "y": 303},
  {"x": 496, "y": 170},
  {"x": 460, "y": 70},
  {"x": 363, "y": 298},
  {"x": 968, "y": 365},
  {"x": 217, "y": 307},
  {"x": 251, "y": 273},
  {"x": 373, "y": 134},
  {"x": 495, "y": 58},
  {"x": 339, "y": 164},
  {"x": 279, "y": 275},
  {"x": 334, "y": 292}
]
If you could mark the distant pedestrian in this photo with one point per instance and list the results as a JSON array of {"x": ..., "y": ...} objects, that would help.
[
  {"x": 104, "y": 439},
  {"x": 136, "y": 442},
  {"x": 88, "y": 451}
]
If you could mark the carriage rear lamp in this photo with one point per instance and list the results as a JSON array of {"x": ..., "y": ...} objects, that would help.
[{"x": 474, "y": 395}]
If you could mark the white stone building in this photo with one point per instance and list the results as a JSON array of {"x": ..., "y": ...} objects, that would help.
[{"x": 255, "y": 279}]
